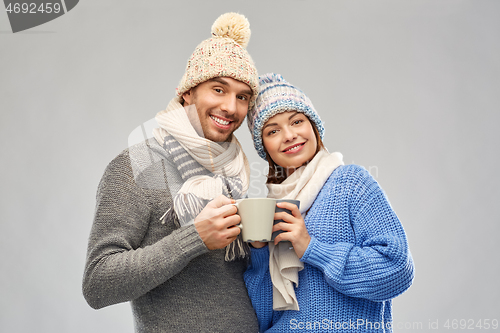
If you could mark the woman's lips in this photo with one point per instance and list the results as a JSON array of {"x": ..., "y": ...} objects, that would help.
[{"x": 294, "y": 148}]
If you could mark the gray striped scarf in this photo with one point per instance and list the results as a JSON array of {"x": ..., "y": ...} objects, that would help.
[{"x": 207, "y": 168}]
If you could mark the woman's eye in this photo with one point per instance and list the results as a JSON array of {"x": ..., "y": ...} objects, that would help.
[
  {"x": 298, "y": 121},
  {"x": 271, "y": 132}
]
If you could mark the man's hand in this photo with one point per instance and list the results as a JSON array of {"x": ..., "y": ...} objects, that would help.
[{"x": 217, "y": 222}]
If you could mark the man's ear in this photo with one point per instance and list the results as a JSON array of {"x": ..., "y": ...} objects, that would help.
[{"x": 188, "y": 97}]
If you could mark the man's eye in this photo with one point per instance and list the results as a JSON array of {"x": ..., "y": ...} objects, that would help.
[
  {"x": 218, "y": 90},
  {"x": 243, "y": 98}
]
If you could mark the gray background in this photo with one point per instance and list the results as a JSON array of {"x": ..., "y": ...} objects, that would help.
[{"x": 408, "y": 89}]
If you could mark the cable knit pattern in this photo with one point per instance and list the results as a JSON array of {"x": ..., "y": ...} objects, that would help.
[{"x": 357, "y": 261}]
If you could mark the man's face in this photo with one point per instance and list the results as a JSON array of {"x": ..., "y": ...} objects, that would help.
[{"x": 221, "y": 104}]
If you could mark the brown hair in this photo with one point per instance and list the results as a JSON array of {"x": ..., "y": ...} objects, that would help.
[{"x": 277, "y": 174}]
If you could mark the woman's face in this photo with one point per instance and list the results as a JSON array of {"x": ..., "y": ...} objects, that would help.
[{"x": 289, "y": 139}]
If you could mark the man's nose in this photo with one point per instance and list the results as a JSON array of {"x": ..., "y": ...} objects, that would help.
[{"x": 229, "y": 104}]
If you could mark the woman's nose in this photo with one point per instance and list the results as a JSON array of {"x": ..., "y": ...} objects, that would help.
[{"x": 289, "y": 134}]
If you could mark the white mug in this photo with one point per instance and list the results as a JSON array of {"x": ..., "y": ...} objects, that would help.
[{"x": 257, "y": 217}]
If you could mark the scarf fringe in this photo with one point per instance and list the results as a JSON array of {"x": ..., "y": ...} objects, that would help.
[
  {"x": 238, "y": 249},
  {"x": 187, "y": 207},
  {"x": 170, "y": 215}
]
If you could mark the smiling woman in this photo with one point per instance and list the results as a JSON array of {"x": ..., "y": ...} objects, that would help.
[
  {"x": 345, "y": 244},
  {"x": 290, "y": 141}
]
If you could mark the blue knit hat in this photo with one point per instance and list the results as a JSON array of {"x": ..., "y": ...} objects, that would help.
[{"x": 276, "y": 96}]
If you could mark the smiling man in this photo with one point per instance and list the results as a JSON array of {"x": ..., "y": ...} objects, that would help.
[
  {"x": 164, "y": 237},
  {"x": 221, "y": 105}
]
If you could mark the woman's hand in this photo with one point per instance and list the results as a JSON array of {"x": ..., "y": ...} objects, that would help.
[{"x": 294, "y": 227}]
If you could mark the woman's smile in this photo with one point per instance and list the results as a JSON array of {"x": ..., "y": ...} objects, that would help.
[
  {"x": 289, "y": 140},
  {"x": 294, "y": 148}
]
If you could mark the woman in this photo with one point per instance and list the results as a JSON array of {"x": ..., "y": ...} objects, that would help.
[{"x": 344, "y": 255}]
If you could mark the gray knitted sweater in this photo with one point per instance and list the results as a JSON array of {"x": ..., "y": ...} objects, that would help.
[{"x": 174, "y": 283}]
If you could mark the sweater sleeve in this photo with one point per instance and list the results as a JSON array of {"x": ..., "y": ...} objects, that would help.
[
  {"x": 377, "y": 265},
  {"x": 259, "y": 286},
  {"x": 118, "y": 267}
]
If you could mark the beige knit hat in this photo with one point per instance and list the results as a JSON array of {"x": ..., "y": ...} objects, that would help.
[{"x": 224, "y": 54}]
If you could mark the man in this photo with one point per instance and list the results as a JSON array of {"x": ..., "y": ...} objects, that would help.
[{"x": 158, "y": 239}]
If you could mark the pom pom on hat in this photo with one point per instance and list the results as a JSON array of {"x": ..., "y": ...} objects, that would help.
[
  {"x": 234, "y": 26},
  {"x": 276, "y": 95},
  {"x": 222, "y": 55}
]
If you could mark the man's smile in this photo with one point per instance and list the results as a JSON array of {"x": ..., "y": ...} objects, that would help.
[{"x": 221, "y": 122}]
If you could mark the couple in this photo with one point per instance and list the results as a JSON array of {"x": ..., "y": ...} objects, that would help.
[{"x": 164, "y": 236}]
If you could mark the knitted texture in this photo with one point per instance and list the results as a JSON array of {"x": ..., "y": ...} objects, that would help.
[
  {"x": 188, "y": 167},
  {"x": 173, "y": 282},
  {"x": 223, "y": 55},
  {"x": 357, "y": 261},
  {"x": 185, "y": 204},
  {"x": 276, "y": 96}
]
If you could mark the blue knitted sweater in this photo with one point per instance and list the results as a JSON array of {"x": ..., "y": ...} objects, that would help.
[{"x": 357, "y": 261}]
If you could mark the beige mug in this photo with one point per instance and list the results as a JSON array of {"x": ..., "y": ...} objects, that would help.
[{"x": 257, "y": 217}]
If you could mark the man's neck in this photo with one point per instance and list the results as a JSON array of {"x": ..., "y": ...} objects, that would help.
[{"x": 194, "y": 119}]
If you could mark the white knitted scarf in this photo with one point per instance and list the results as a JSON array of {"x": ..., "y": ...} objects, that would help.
[
  {"x": 223, "y": 162},
  {"x": 304, "y": 185}
]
